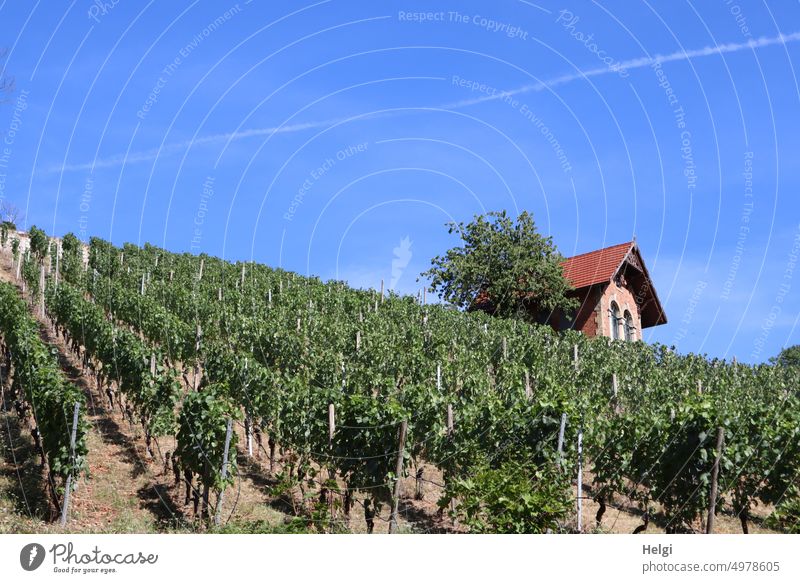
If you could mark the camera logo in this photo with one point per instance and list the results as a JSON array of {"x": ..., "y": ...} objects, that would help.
[{"x": 31, "y": 556}]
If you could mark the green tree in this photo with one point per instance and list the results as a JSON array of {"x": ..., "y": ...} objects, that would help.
[
  {"x": 39, "y": 242},
  {"x": 504, "y": 266},
  {"x": 71, "y": 258},
  {"x": 787, "y": 357},
  {"x": 5, "y": 228}
]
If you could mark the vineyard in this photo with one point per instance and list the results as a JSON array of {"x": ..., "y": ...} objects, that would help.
[{"x": 356, "y": 399}]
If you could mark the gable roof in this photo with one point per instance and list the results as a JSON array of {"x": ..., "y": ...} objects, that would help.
[
  {"x": 601, "y": 266},
  {"x": 596, "y": 266}
]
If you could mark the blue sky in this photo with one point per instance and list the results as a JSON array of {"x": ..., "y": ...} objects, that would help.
[{"x": 336, "y": 138}]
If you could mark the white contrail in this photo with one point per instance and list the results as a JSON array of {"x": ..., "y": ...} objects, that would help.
[
  {"x": 634, "y": 64},
  {"x": 149, "y": 155}
]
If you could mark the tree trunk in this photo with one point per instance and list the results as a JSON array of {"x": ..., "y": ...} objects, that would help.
[
  {"x": 271, "y": 443},
  {"x": 642, "y": 527},
  {"x": 600, "y": 511},
  {"x": 187, "y": 476},
  {"x": 348, "y": 503},
  {"x": 418, "y": 490},
  {"x": 206, "y": 505}
]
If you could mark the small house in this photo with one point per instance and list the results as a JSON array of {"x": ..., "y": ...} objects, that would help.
[{"x": 617, "y": 297}]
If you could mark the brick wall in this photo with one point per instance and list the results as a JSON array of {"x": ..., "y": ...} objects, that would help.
[
  {"x": 586, "y": 316},
  {"x": 623, "y": 296}
]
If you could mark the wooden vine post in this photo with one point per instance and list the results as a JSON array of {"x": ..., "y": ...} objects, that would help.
[
  {"x": 68, "y": 487},
  {"x": 248, "y": 432},
  {"x": 248, "y": 421},
  {"x": 450, "y": 425},
  {"x": 57, "y": 273},
  {"x": 580, "y": 453},
  {"x": 450, "y": 431},
  {"x": 218, "y": 511},
  {"x": 42, "y": 283},
  {"x": 398, "y": 472},
  {"x": 580, "y": 480},
  {"x": 331, "y": 423},
  {"x": 561, "y": 436},
  {"x": 196, "y": 379},
  {"x": 712, "y": 497}
]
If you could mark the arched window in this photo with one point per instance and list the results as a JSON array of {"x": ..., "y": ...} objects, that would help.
[
  {"x": 630, "y": 331},
  {"x": 613, "y": 321}
]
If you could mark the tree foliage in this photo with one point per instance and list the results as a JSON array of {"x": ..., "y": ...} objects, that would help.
[
  {"x": 515, "y": 498},
  {"x": 788, "y": 356},
  {"x": 39, "y": 242},
  {"x": 71, "y": 258},
  {"x": 505, "y": 264}
]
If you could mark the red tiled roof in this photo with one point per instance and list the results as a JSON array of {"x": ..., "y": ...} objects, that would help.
[{"x": 595, "y": 267}]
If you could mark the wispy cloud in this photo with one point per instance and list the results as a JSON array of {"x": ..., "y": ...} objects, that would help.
[{"x": 176, "y": 147}]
